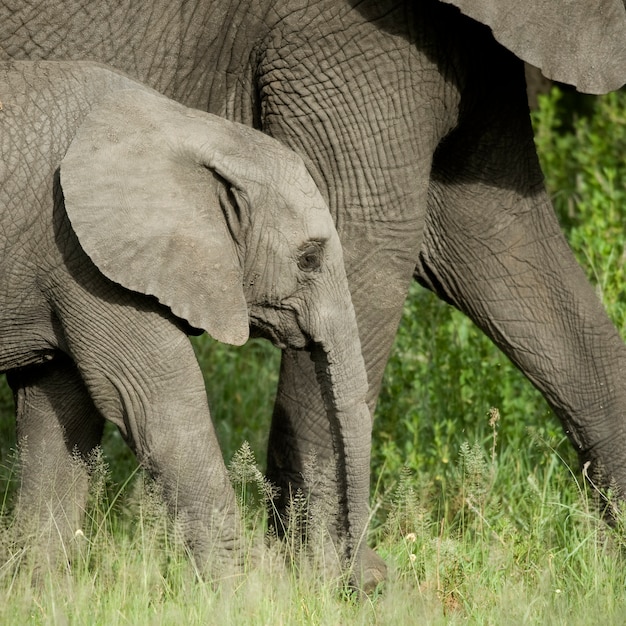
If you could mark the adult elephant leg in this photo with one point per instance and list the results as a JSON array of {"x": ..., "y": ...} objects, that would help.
[
  {"x": 366, "y": 104},
  {"x": 58, "y": 428},
  {"x": 493, "y": 247}
]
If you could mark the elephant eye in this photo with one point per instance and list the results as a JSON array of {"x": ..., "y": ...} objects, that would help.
[{"x": 310, "y": 257}]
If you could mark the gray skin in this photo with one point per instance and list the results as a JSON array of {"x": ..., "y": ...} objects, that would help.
[
  {"x": 414, "y": 123},
  {"x": 163, "y": 219}
]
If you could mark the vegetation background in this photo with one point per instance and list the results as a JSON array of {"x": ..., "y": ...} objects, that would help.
[{"x": 479, "y": 507}]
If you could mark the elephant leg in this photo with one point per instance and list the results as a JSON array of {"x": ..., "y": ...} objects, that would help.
[
  {"x": 141, "y": 372},
  {"x": 494, "y": 249},
  {"x": 58, "y": 427}
]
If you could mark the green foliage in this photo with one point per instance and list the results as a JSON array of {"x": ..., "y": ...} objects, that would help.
[
  {"x": 523, "y": 544},
  {"x": 586, "y": 176},
  {"x": 241, "y": 386}
]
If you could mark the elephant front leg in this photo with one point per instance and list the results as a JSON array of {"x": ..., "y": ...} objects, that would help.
[
  {"x": 58, "y": 428},
  {"x": 142, "y": 374}
]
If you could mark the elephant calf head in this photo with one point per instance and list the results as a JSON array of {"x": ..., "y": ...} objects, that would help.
[{"x": 219, "y": 222}]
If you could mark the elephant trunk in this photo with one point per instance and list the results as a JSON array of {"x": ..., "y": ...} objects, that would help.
[{"x": 341, "y": 374}]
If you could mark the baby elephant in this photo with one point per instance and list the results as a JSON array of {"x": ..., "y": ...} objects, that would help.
[{"x": 160, "y": 220}]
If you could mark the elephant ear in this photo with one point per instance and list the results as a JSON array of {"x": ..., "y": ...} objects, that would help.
[
  {"x": 580, "y": 42},
  {"x": 156, "y": 201}
]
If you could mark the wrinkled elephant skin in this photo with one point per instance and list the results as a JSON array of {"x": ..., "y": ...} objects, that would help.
[
  {"x": 413, "y": 122},
  {"x": 161, "y": 219}
]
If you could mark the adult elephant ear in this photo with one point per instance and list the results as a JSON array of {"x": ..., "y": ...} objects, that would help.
[
  {"x": 157, "y": 195},
  {"x": 580, "y": 42}
]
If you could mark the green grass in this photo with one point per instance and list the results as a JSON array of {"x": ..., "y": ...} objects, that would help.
[
  {"x": 538, "y": 555},
  {"x": 480, "y": 514}
]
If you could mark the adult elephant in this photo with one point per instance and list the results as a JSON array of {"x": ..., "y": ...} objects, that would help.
[{"x": 413, "y": 121}]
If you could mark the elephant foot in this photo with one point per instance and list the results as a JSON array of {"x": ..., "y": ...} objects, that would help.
[{"x": 373, "y": 572}]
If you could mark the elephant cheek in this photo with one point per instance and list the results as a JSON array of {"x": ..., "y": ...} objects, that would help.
[{"x": 279, "y": 327}]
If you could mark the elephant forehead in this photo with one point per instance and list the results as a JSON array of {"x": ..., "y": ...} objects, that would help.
[
  {"x": 300, "y": 218},
  {"x": 299, "y": 196},
  {"x": 288, "y": 171}
]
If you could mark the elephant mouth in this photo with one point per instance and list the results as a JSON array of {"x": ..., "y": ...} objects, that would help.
[{"x": 282, "y": 335}]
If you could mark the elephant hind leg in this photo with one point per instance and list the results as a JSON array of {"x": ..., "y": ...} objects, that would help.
[
  {"x": 494, "y": 249},
  {"x": 58, "y": 428}
]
